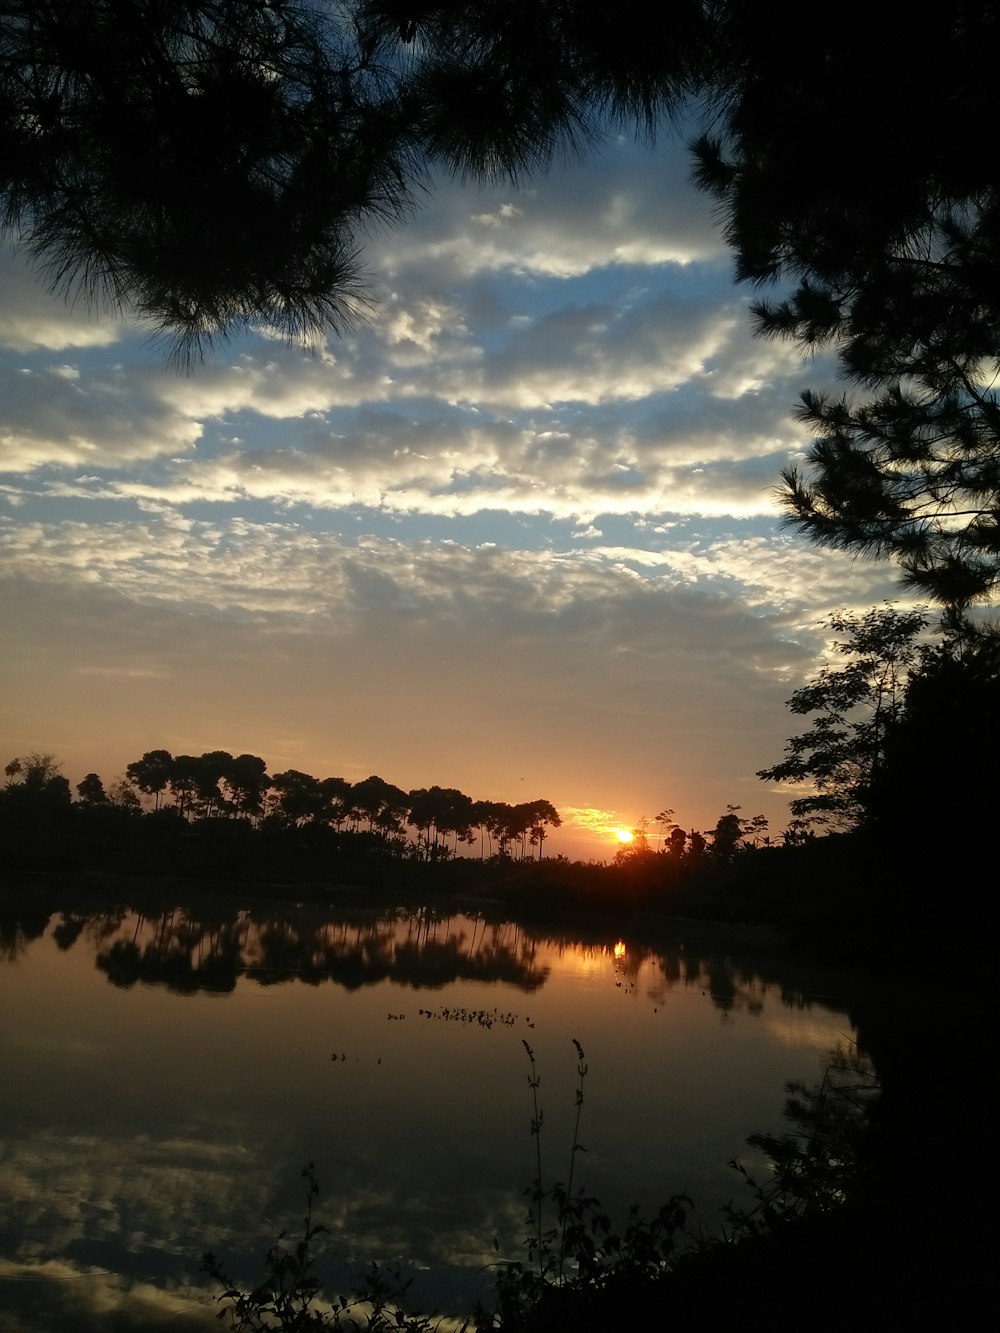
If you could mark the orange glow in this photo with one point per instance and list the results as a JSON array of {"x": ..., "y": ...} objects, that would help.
[
  {"x": 623, "y": 835},
  {"x": 620, "y": 949}
]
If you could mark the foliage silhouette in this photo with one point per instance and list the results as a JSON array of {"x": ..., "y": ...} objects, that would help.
[
  {"x": 572, "y": 1267},
  {"x": 857, "y": 705},
  {"x": 204, "y": 164},
  {"x": 939, "y": 757},
  {"x": 896, "y": 270},
  {"x": 579, "y": 1271},
  {"x": 818, "y": 1166},
  {"x": 289, "y": 1297},
  {"x": 578, "y": 1260},
  {"x": 212, "y": 164},
  {"x": 35, "y": 814}
]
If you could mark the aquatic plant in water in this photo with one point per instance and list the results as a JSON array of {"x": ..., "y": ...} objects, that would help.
[
  {"x": 576, "y": 1261},
  {"x": 289, "y": 1299}
]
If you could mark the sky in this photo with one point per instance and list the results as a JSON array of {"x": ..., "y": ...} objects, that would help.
[{"x": 515, "y": 533}]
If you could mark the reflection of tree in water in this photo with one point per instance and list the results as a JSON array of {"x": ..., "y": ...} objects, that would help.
[
  {"x": 183, "y": 954},
  {"x": 816, "y": 1166},
  {"x": 20, "y": 924},
  {"x": 734, "y": 984},
  {"x": 188, "y": 952},
  {"x": 98, "y": 925}
]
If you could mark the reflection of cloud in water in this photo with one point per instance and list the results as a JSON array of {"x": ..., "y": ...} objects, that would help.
[
  {"x": 151, "y": 1199},
  {"x": 151, "y": 1209},
  {"x": 68, "y": 1297},
  {"x": 815, "y": 1034}
]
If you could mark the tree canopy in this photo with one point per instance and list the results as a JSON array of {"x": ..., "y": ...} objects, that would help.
[
  {"x": 842, "y": 757},
  {"x": 201, "y": 163},
  {"x": 850, "y": 168}
]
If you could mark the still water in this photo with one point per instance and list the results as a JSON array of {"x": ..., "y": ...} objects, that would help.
[{"x": 168, "y": 1073}]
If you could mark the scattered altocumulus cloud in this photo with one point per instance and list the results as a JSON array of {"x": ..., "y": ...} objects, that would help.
[{"x": 240, "y": 567}]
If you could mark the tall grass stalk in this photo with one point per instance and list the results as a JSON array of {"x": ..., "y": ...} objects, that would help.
[
  {"x": 538, "y": 1191},
  {"x": 581, "y": 1071}
]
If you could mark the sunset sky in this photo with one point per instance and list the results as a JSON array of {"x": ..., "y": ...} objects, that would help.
[{"x": 515, "y": 534}]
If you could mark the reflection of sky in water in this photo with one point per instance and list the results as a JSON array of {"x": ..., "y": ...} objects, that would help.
[{"x": 150, "y": 1120}]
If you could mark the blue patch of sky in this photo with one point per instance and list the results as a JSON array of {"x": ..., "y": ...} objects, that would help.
[
  {"x": 617, "y": 286},
  {"x": 39, "y": 507}
]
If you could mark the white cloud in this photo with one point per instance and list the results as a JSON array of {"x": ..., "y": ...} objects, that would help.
[
  {"x": 286, "y": 570},
  {"x": 56, "y": 416},
  {"x": 32, "y": 318},
  {"x": 570, "y": 354},
  {"x": 624, "y": 206}
]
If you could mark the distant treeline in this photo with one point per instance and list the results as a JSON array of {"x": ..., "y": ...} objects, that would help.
[
  {"x": 427, "y": 823},
  {"x": 861, "y": 894},
  {"x": 220, "y": 817}
]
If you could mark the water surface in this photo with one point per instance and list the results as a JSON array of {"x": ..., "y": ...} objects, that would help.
[{"x": 169, "y": 1073}]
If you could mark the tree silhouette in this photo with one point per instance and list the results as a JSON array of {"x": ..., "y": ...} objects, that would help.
[
  {"x": 300, "y": 797},
  {"x": 676, "y": 841},
  {"x": 437, "y": 813},
  {"x": 295, "y": 810},
  {"x": 727, "y": 834},
  {"x": 696, "y": 845},
  {"x": 33, "y": 772},
  {"x": 192, "y": 784},
  {"x": 939, "y": 761},
  {"x": 842, "y": 756},
  {"x": 122, "y": 795},
  {"x": 91, "y": 790},
  {"x": 151, "y": 773},
  {"x": 383, "y": 805},
  {"x": 890, "y": 237},
  {"x": 35, "y": 813},
  {"x": 205, "y": 164},
  {"x": 542, "y": 815},
  {"x": 666, "y": 823},
  {"x": 211, "y": 164},
  {"x": 245, "y": 780}
]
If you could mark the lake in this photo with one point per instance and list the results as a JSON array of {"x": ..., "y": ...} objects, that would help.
[{"x": 168, "y": 1073}]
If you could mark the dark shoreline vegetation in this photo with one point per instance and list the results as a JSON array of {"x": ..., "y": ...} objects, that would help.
[
  {"x": 891, "y": 836},
  {"x": 845, "y": 897}
]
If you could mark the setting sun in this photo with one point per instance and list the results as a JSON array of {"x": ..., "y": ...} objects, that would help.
[{"x": 623, "y": 835}]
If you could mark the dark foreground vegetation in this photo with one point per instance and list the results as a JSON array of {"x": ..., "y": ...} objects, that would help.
[{"x": 839, "y": 1236}]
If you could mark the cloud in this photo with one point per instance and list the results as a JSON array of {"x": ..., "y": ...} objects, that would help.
[
  {"x": 277, "y": 383},
  {"x": 31, "y": 318},
  {"x": 56, "y": 1293},
  {"x": 640, "y": 676},
  {"x": 285, "y": 569},
  {"x": 54, "y": 416},
  {"x": 526, "y": 506},
  {"x": 450, "y": 465},
  {"x": 625, "y": 206}
]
